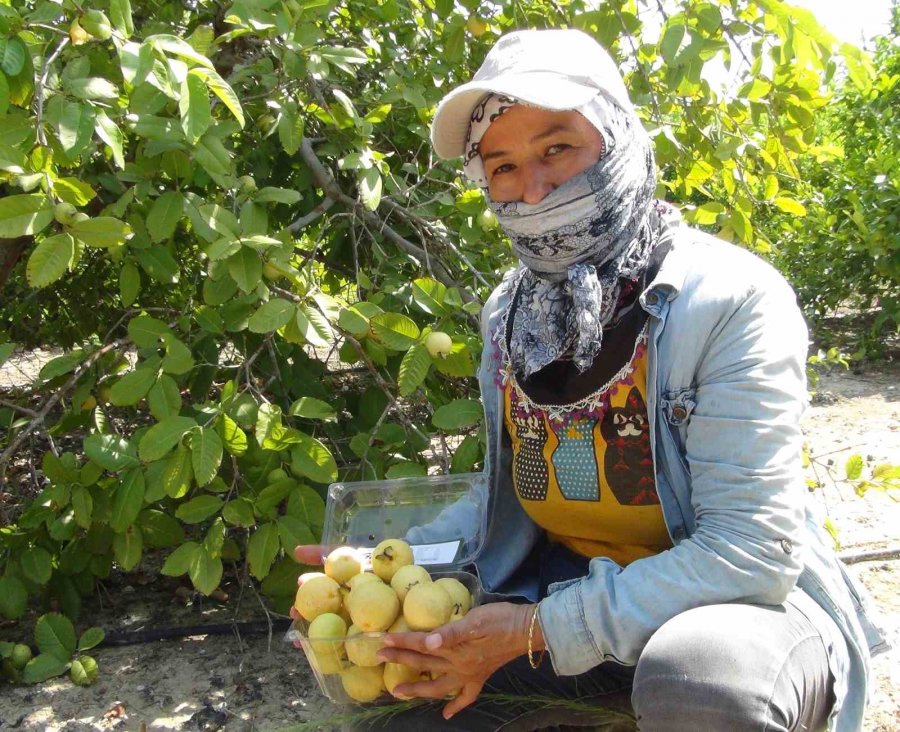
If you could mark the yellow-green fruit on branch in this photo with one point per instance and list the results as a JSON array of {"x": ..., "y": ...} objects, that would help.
[
  {"x": 65, "y": 213},
  {"x": 21, "y": 655},
  {"x": 438, "y": 344},
  {"x": 364, "y": 684},
  {"x": 389, "y": 556},
  {"x": 316, "y": 596},
  {"x": 97, "y": 24}
]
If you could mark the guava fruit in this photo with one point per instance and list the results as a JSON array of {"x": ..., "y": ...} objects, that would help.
[
  {"x": 398, "y": 673},
  {"x": 406, "y": 577},
  {"x": 427, "y": 607},
  {"x": 326, "y": 637},
  {"x": 459, "y": 594},
  {"x": 342, "y": 564},
  {"x": 438, "y": 344},
  {"x": 362, "y": 649},
  {"x": 316, "y": 596},
  {"x": 363, "y": 683},
  {"x": 389, "y": 556},
  {"x": 373, "y": 606}
]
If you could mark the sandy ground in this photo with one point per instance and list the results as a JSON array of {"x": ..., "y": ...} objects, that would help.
[{"x": 228, "y": 683}]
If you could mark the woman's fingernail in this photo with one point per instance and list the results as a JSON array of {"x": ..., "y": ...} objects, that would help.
[{"x": 433, "y": 641}]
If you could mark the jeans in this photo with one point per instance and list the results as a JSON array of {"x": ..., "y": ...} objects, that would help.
[{"x": 719, "y": 668}]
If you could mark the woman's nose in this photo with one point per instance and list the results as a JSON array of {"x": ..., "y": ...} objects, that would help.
[{"x": 537, "y": 184}]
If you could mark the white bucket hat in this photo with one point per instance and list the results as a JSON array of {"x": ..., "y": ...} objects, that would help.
[{"x": 553, "y": 69}]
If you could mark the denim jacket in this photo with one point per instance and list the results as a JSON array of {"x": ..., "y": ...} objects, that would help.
[{"x": 726, "y": 390}]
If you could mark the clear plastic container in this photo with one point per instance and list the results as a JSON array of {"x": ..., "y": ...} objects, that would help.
[
  {"x": 330, "y": 683},
  {"x": 443, "y": 518}
]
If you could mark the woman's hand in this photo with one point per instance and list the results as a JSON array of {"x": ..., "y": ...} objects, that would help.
[{"x": 463, "y": 654}]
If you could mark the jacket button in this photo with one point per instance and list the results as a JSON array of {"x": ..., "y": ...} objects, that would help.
[
  {"x": 651, "y": 298},
  {"x": 679, "y": 413},
  {"x": 787, "y": 546}
]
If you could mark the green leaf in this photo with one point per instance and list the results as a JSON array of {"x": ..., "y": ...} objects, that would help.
[
  {"x": 290, "y": 128},
  {"x": 413, "y": 369},
  {"x": 42, "y": 667},
  {"x": 205, "y": 571},
  {"x": 352, "y": 321},
  {"x": 293, "y": 532},
  {"x": 163, "y": 436},
  {"x": 245, "y": 268},
  {"x": 93, "y": 87},
  {"x": 50, "y": 260},
  {"x": 308, "y": 506},
  {"x": 62, "y": 365},
  {"x": 313, "y": 326},
  {"x": 13, "y": 598},
  {"x": 146, "y": 331},
  {"x": 370, "y": 188},
  {"x": 102, "y": 231},
  {"x": 671, "y": 41},
  {"x": 789, "y": 205},
  {"x": 198, "y": 509},
  {"x": 311, "y": 408},
  {"x": 91, "y": 638},
  {"x": 395, "y": 331},
  {"x": 175, "y": 46},
  {"x": 239, "y": 512},
  {"x": 218, "y": 86},
  {"x": 164, "y": 215},
  {"x": 160, "y": 529},
  {"x": 120, "y": 17},
  {"x": 128, "y": 548},
  {"x": 405, "y": 469},
  {"x": 278, "y": 195},
  {"x": 164, "y": 398},
  {"x": 36, "y": 564},
  {"x": 262, "y": 549},
  {"x": 24, "y": 215},
  {"x": 854, "y": 467},
  {"x": 466, "y": 455},
  {"x": 159, "y": 263},
  {"x": 110, "y": 452},
  {"x": 708, "y": 212},
  {"x": 193, "y": 105},
  {"x": 74, "y": 191},
  {"x": 178, "y": 358},
  {"x": 55, "y": 636},
  {"x": 83, "y": 504},
  {"x": 458, "y": 414},
  {"x": 430, "y": 295},
  {"x": 271, "y": 315},
  {"x": 206, "y": 454},
  {"x": 132, "y": 387},
  {"x": 215, "y": 538},
  {"x": 128, "y": 499},
  {"x": 311, "y": 459},
  {"x": 179, "y": 562},
  {"x": 12, "y": 55},
  {"x": 233, "y": 437},
  {"x": 109, "y": 132},
  {"x": 177, "y": 473}
]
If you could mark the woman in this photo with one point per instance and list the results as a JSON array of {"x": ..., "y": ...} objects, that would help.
[{"x": 643, "y": 384}]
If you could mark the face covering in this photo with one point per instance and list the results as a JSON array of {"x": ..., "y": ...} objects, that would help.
[{"x": 581, "y": 242}]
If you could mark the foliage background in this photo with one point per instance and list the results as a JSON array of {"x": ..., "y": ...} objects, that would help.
[{"x": 229, "y": 218}]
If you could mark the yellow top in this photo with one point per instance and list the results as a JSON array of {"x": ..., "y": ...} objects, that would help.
[{"x": 587, "y": 478}]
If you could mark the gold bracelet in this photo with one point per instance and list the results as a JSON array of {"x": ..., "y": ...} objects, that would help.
[{"x": 531, "y": 661}]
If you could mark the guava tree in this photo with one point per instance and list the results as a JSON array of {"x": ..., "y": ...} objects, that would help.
[{"x": 229, "y": 217}]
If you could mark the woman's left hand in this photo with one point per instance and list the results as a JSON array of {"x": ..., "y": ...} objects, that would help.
[{"x": 463, "y": 654}]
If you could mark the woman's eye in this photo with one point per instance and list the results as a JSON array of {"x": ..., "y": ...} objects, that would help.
[
  {"x": 505, "y": 168},
  {"x": 558, "y": 148}
]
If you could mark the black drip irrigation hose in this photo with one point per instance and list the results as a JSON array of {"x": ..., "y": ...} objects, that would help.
[{"x": 248, "y": 628}]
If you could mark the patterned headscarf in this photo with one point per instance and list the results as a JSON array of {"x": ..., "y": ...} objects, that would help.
[{"x": 581, "y": 242}]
